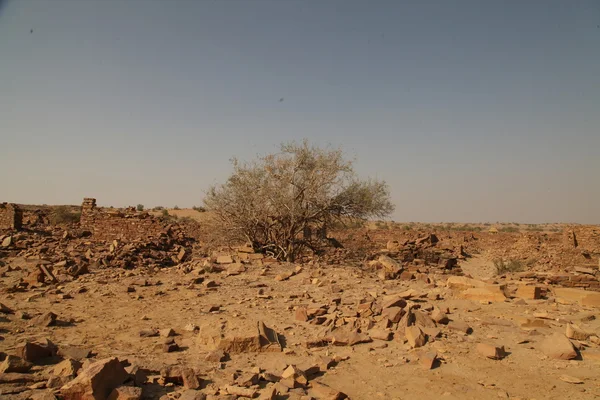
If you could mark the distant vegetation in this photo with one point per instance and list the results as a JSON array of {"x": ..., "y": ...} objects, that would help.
[
  {"x": 140, "y": 207},
  {"x": 64, "y": 215},
  {"x": 199, "y": 209}
]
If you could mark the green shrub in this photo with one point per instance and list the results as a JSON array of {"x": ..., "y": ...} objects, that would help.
[
  {"x": 165, "y": 212},
  {"x": 140, "y": 207},
  {"x": 176, "y": 207},
  {"x": 199, "y": 209}
]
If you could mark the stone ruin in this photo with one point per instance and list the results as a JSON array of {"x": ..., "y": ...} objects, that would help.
[
  {"x": 112, "y": 224},
  {"x": 11, "y": 216}
]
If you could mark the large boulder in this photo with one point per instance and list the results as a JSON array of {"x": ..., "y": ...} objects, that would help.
[{"x": 96, "y": 382}]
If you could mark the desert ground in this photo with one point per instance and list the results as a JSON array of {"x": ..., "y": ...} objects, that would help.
[{"x": 127, "y": 304}]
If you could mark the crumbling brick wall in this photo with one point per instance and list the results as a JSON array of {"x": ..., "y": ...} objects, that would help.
[
  {"x": 128, "y": 225},
  {"x": 11, "y": 216}
]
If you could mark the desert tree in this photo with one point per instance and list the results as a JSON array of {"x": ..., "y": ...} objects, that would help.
[{"x": 276, "y": 199}]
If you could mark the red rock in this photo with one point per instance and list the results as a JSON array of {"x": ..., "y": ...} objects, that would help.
[
  {"x": 529, "y": 292},
  {"x": 428, "y": 360},
  {"x": 97, "y": 381},
  {"x": 490, "y": 351},
  {"x": 126, "y": 393},
  {"x": 34, "y": 352},
  {"x": 15, "y": 364},
  {"x": 324, "y": 392},
  {"x": 559, "y": 347},
  {"x": 415, "y": 336},
  {"x": 393, "y": 313}
]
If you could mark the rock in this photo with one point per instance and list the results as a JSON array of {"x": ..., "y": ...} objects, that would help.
[
  {"x": 15, "y": 364},
  {"x": 415, "y": 336},
  {"x": 392, "y": 268},
  {"x": 575, "y": 332},
  {"x": 239, "y": 391},
  {"x": 439, "y": 316},
  {"x": 225, "y": 259},
  {"x": 583, "y": 297},
  {"x": 269, "y": 393},
  {"x": 73, "y": 352},
  {"x": 529, "y": 292},
  {"x": 210, "y": 283},
  {"x": 192, "y": 395},
  {"x": 324, "y": 392},
  {"x": 55, "y": 382},
  {"x": 247, "y": 379},
  {"x": 460, "y": 326},
  {"x": 235, "y": 269},
  {"x": 428, "y": 360},
  {"x": 489, "y": 293},
  {"x": 167, "y": 332},
  {"x": 97, "y": 381},
  {"x": 190, "y": 380},
  {"x": 7, "y": 241},
  {"x": 462, "y": 283},
  {"x": 381, "y": 334},
  {"x": 559, "y": 347},
  {"x": 284, "y": 276},
  {"x": 5, "y": 310},
  {"x": 393, "y": 301},
  {"x": 216, "y": 356},
  {"x": 34, "y": 352},
  {"x": 341, "y": 337},
  {"x": 149, "y": 332},
  {"x": 44, "y": 320},
  {"x": 126, "y": 393},
  {"x": 393, "y": 313},
  {"x": 66, "y": 368},
  {"x": 424, "y": 320},
  {"x": 570, "y": 379},
  {"x": 170, "y": 347},
  {"x": 490, "y": 351},
  {"x": 301, "y": 314}
]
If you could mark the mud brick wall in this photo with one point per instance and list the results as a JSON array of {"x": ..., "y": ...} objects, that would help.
[
  {"x": 128, "y": 226},
  {"x": 11, "y": 216}
]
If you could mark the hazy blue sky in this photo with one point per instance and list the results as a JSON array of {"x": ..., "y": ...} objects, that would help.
[{"x": 471, "y": 110}]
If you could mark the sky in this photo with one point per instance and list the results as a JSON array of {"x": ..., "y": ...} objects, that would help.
[{"x": 472, "y": 111}]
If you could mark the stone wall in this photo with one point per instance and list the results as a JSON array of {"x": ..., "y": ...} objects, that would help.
[
  {"x": 128, "y": 225},
  {"x": 11, "y": 216}
]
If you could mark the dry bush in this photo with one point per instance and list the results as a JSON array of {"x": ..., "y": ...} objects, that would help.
[
  {"x": 503, "y": 267},
  {"x": 273, "y": 201},
  {"x": 64, "y": 215}
]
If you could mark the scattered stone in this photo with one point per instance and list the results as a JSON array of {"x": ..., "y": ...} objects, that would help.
[
  {"x": 167, "y": 332},
  {"x": 190, "y": 380},
  {"x": 5, "y": 310},
  {"x": 529, "y": 292},
  {"x": 66, "y": 367},
  {"x": 149, "y": 332},
  {"x": 559, "y": 347},
  {"x": 73, "y": 352},
  {"x": 192, "y": 395},
  {"x": 97, "y": 381},
  {"x": 34, "y": 352},
  {"x": 570, "y": 379},
  {"x": 324, "y": 392},
  {"x": 428, "y": 360},
  {"x": 490, "y": 351},
  {"x": 488, "y": 293},
  {"x": 460, "y": 326},
  {"x": 225, "y": 259},
  {"x": 414, "y": 335},
  {"x": 575, "y": 332},
  {"x": 216, "y": 356},
  {"x": 44, "y": 320},
  {"x": 239, "y": 391},
  {"x": 15, "y": 364},
  {"x": 126, "y": 393}
]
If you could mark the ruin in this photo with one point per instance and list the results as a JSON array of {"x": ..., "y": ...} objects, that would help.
[
  {"x": 11, "y": 216},
  {"x": 110, "y": 224}
]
